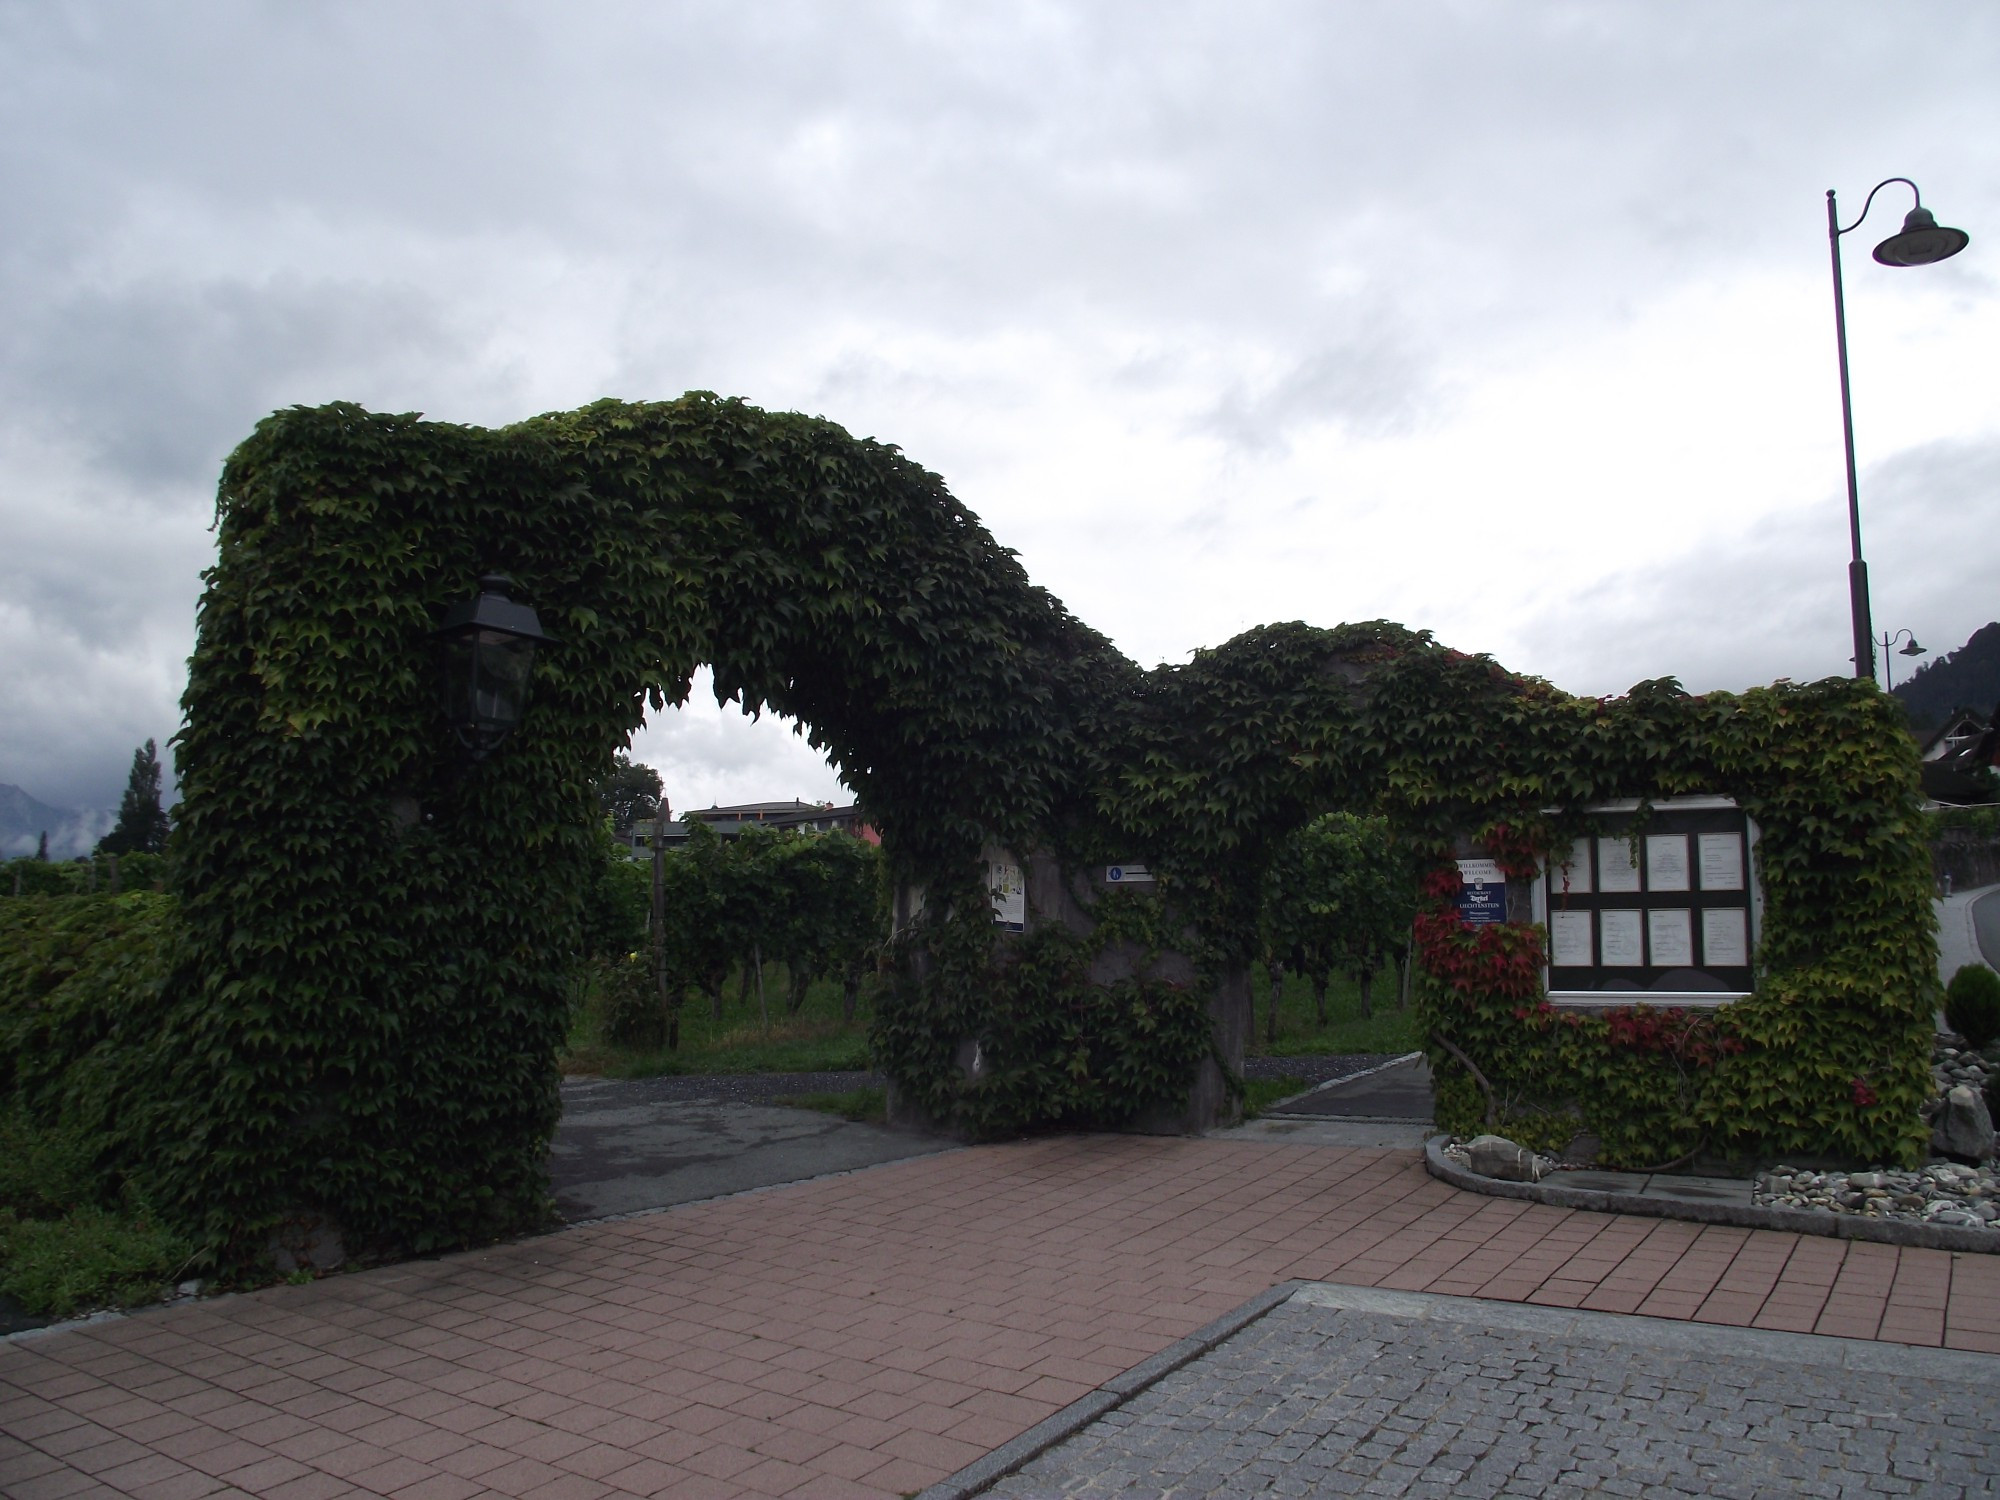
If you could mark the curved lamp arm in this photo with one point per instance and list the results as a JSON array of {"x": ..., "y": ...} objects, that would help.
[{"x": 1915, "y": 192}]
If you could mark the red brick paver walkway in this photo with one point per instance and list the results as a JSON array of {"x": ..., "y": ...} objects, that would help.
[{"x": 862, "y": 1335}]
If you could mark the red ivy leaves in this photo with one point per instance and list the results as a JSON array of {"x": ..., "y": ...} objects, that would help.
[
  {"x": 1502, "y": 961},
  {"x": 1441, "y": 883},
  {"x": 1863, "y": 1094},
  {"x": 1515, "y": 850},
  {"x": 1689, "y": 1035}
]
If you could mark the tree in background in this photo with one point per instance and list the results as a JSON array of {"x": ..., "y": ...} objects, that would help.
[
  {"x": 827, "y": 914},
  {"x": 42, "y": 849},
  {"x": 630, "y": 792},
  {"x": 142, "y": 823},
  {"x": 813, "y": 902},
  {"x": 1338, "y": 898}
]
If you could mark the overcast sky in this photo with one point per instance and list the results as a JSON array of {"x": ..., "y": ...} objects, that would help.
[{"x": 1509, "y": 321}]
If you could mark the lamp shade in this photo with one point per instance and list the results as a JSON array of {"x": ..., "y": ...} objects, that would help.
[
  {"x": 485, "y": 654},
  {"x": 1921, "y": 241}
]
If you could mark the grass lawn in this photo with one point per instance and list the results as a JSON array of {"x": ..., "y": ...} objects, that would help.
[
  {"x": 744, "y": 1040},
  {"x": 863, "y": 1106},
  {"x": 1346, "y": 1031},
  {"x": 816, "y": 1040},
  {"x": 1259, "y": 1094}
]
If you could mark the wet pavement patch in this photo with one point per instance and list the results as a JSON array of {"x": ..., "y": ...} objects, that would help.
[
  {"x": 1700, "y": 1189},
  {"x": 622, "y": 1147}
]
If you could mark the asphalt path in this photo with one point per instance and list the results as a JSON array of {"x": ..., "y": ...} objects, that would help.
[
  {"x": 1398, "y": 1089},
  {"x": 623, "y": 1147}
]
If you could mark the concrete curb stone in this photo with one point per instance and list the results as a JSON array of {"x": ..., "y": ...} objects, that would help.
[
  {"x": 983, "y": 1473},
  {"x": 1735, "y": 1215}
]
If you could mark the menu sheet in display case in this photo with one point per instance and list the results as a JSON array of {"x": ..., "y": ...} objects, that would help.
[{"x": 1665, "y": 907}]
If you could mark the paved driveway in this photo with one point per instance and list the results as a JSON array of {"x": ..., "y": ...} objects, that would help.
[
  {"x": 862, "y": 1335},
  {"x": 623, "y": 1147}
]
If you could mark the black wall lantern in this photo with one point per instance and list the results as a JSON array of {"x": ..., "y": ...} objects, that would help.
[{"x": 486, "y": 649}]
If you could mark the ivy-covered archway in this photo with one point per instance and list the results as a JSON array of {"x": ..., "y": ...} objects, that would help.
[{"x": 365, "y": 1019}]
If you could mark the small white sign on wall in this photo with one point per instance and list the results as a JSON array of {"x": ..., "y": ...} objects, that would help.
[
  {"x": 1010, "y": 894},
  {"x": 1127, "y": 875}
]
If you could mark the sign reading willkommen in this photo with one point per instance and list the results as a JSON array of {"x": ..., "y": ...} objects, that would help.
[
  {"x": 1663, "y": 912},
  {"x": 1482, "y": 892}
]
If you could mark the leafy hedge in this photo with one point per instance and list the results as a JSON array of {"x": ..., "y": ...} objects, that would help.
[
  {"x": 366, "y": 1013},
  {"x": 109, "y": 874},
  {"x": 1830, "y": 1056},
  {"x": 1053, "y": 1048},
  {"x": 81, "y": 979},
  {"x": 81, "y": 987}
]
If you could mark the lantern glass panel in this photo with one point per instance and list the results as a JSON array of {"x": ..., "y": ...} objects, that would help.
[{"x": 486, "y": 681}]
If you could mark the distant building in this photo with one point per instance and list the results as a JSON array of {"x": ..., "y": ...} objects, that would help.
[
  {"x": 795, "y": 816},
  {"x": 1959, "y": 759}
]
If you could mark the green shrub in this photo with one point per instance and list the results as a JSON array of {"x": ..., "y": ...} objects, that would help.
[
  {"x": 70, "y": 1239},
  {"x": 616, "y": 898},
  {"x": 80, "y": 978},
  {"x": 44, "y": 1173},
  {"x": 89, "y": 1258},
  {"x": 1972, "y": 1005},
  {"x": 628, "y": 1003},
  {"x": 83, "y": 877},
  {"x": 38, "y": 877}
]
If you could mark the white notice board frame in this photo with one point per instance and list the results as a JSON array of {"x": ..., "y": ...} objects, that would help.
[{"x": 1691, "y": 999}]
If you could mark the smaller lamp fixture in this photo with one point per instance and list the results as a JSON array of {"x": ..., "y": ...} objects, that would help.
[
  {"x": 486, "y": 649},
  {"x": 1913, "y": 649}
]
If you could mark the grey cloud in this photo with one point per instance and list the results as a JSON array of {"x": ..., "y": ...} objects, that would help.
[
  {"x": 1772, "y": 601},
  {"x": 1375, "y": 383},
  {"x": 162, "y": 378}
]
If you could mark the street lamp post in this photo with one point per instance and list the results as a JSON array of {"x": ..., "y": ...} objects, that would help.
[
  {"x": 1921, "y": 242},
  {"x": 1887, "y": 642}
]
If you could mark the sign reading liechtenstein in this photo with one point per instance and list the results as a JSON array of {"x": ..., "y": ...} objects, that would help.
[
  {"x": 1482, "y": 897},
  {"x": 1127, "y": 875}
]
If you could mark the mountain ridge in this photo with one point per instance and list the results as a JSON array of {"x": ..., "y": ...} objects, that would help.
[
  {"x": 24, "y": 819},
  {"x": 1966, "y": 678}
]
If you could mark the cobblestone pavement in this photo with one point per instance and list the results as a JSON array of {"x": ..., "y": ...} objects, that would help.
[
  {"x": 1344, "y": 1391},
  {"x": 858, "y": 1336}
]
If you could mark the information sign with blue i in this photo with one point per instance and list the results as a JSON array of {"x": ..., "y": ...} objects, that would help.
[{"x": 1482, "y": 898}]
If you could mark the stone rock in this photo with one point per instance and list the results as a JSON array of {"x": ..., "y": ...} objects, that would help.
[
  {"x": 1963, "y": 1130},
  {"x": 1497, "y": 1157},
  {"x": 307, "y": 1242},
  {"x": 1582, "y": 1150}
]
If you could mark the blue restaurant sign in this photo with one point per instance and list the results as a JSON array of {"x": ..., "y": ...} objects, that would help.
[{"x": 1482, "y": 896}]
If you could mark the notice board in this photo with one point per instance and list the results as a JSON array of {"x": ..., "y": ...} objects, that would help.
[{"x": 1660, "y": 910}]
